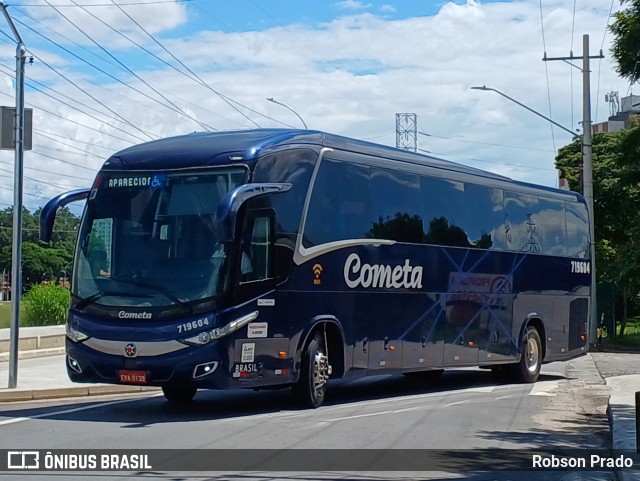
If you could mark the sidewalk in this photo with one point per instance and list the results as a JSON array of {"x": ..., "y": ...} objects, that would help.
[
  {"x": 41, "y": 368},
  {"x": 46, "y": 378}
]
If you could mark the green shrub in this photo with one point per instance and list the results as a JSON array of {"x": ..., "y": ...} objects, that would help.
[{"x": 46, "y": 305}]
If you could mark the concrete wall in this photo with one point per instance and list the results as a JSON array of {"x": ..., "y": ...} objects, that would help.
[{"x": 33, "y": 338}]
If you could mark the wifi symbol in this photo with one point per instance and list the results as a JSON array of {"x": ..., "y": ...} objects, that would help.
[{"x": 317, "y": 270}]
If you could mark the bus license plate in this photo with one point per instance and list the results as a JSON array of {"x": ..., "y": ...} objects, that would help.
[{"x": 133, "y": 377}]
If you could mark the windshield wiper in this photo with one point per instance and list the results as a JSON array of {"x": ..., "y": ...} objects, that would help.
[
  {"x": 94, "y": 297},
  {"x": 132, "y": 278}
]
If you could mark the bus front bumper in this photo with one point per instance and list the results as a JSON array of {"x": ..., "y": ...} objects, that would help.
[{"x": 200, "y": 367}]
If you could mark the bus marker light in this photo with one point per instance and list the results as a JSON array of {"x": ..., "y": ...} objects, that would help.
[
  {"x": 471, "y": 343},
  {"x": 582, "y": 338},
  {"x": 73, "y": 364},
  {"x": 549, "y": 339},
  {"x": 204, "y": 369},
  {"x": 392, "y": 348},
  {"x": 282, "y": 354}
]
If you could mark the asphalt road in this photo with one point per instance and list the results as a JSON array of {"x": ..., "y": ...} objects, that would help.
[{"x": 466, "y": 412}]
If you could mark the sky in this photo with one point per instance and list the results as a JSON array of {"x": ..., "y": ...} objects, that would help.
[{"x": 108, "y": 74}]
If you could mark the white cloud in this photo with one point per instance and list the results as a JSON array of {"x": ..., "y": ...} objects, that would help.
[
  {"x": 348, "y": 76},
  {"x": 352, "y": 5}
]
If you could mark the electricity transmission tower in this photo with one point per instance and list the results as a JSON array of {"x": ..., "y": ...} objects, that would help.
[{"x": 407, "y": 132}]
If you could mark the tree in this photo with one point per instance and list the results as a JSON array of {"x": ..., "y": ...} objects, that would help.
[
  {"x": 39, "y": 263},
  {"x": 616, "y": 196},
  {"x": 626, "y": 44}
]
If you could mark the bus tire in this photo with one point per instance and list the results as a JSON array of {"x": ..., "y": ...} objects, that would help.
[
  {"x": 528, "y": 369},
  {"x": 179, "y": 394},
  {"x": 314, "y": 374}
]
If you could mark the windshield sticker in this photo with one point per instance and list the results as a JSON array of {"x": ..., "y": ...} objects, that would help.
[
  {"x": 158, "y": 181},
  {"x": 130, "y": 182},
  {"x": 154, "y": 182}
]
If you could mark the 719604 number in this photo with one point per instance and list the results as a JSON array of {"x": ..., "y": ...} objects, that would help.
[
  {"x": 580, "y": 267},
  {"x": 189, "y": 326}
]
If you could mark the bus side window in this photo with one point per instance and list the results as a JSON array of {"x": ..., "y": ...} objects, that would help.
[{"x": 258, "y": 249}]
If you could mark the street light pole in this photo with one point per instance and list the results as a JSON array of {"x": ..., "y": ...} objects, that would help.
[
  {"x": 587, "y": 168},
  {"x": 271, "y": 99},
  {"x": 484, "y": 87},
  {"x": 16, "y": 248}
]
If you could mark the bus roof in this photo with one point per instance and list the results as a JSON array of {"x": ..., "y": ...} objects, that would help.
[{"x": 202, "y": 149}]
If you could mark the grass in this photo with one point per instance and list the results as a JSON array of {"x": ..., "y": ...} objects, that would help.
[
  {"x": 631, "y": 332},
  {"x": 5, "y": 314}
]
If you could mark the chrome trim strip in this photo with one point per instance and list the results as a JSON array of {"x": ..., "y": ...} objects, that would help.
[
  {"x": 116, "y": 348},
  {"x": 303, "y": 254}
]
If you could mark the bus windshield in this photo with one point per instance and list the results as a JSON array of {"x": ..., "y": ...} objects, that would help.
[{"x": 150, "y": 239}]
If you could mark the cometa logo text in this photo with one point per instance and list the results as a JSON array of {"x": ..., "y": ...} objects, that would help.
[
  {"x": 381, "y": 276},
  {"x": 134, "y": 315}
]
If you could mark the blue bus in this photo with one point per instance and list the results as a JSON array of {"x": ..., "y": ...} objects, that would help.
[{"x": 285, "y": 258}]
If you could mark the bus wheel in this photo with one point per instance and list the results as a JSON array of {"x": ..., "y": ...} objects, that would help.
[
  {"x": 179, "y": 394},
  {"x": 314, "y": 374},
  {"x": 528, "y": 369}
]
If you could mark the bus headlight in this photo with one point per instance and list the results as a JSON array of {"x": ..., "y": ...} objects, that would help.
[
  {"x": 75, "y": 335},
  {"x": 207, "y": 336}
]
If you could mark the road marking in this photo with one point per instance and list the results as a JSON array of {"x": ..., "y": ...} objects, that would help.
[
  {"x": 545, "y": 388},
  {"x": 355, "y": 416},
  {"x": 504, "y": 397},
  {"x": 65, "y": 411},
  {"x": 456, "y": 403}
]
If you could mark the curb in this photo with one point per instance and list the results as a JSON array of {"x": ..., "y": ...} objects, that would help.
[
  {"x": 15, "y": 395},
  {"x": 54, "y": 351}
]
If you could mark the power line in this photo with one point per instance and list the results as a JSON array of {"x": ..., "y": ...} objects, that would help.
[
  {"x": 202, "y": 82},
  {"x": 546, "y": 71},
  {"x": 71, "y": 146},
  {"x": 485, "y": 161},
  {"x": 50, "y": 172},
  {"x": 109, "y": 61},
  {"x": 107, "y": 4},
  {"x": 147, "y": 51},
  {"x": 81, "y": 111},
  {"x": 573, "y": 23},
  {"x": 92, "y": 144},
  {"x": 104, "y": 72},
  {"x": 204, "y": 126},
  {"x": 606, "y": 29},
  {"x": 484, "y": 143},
  {"x": 92, "y": 169},
  {"x": 95, "y": 99},
  {"x": 42, "y": 109}
]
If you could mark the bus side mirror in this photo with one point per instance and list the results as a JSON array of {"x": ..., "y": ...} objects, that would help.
[
  {"x": 48, "y": 214},
  {"x": 232, "y": 202}
]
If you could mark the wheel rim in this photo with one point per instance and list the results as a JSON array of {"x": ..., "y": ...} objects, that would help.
[
  {"x": 532, "y": 355},
  {"x": 320, "y": 373}
]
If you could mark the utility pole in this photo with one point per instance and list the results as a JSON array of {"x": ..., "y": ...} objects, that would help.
[
  {"x": 16, "y": 252},
  {"x": 587, "y": 167}
]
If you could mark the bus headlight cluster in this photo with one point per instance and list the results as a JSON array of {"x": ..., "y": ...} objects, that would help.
[
  {"x": 207, "y": 336},
  {"x": 75, "y": 335}
]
